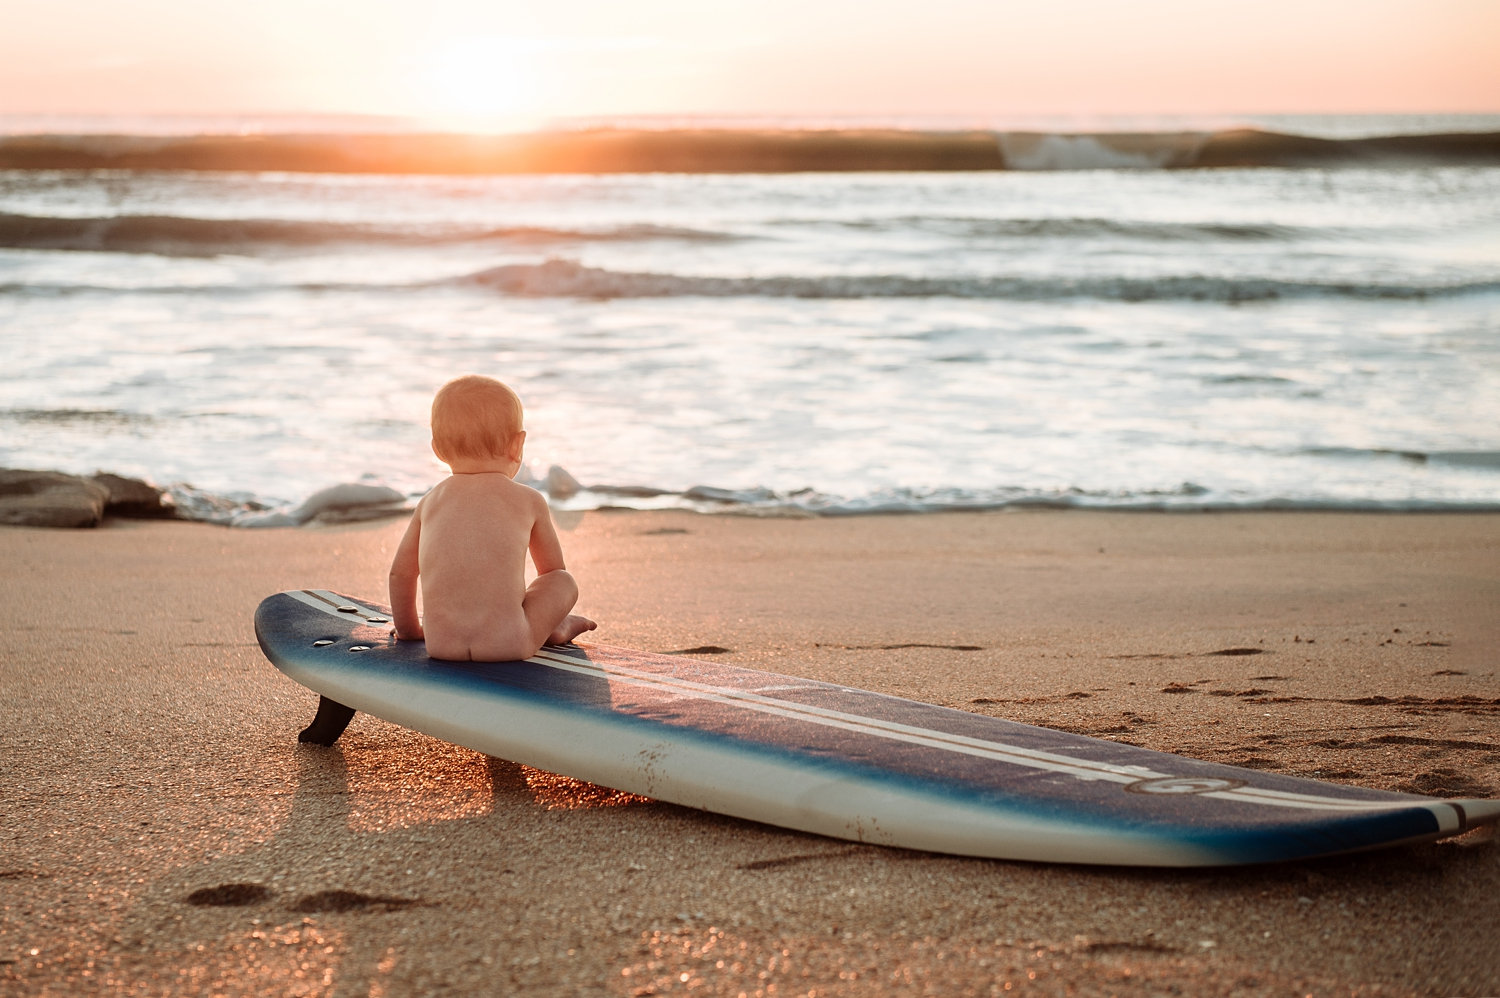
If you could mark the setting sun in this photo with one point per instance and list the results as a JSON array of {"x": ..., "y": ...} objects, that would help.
[{"x": 481, "y": 81}]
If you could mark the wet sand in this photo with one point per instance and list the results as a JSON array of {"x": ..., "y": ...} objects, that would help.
[{"x": 161, "y": 831}]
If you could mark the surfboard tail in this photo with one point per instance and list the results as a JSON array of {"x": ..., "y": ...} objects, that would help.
[{"x": 1475, "y": 813}]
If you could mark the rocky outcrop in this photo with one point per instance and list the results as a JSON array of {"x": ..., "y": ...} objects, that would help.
[
  {"x": 50, "y": 499},
  {"x": 53, "y": 499},
  {"x": 134, "y": 498}
]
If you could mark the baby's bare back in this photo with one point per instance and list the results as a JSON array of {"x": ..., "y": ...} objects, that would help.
[{"x": 472, "y": 555}]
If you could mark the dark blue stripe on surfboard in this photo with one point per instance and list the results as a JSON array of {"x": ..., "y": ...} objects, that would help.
[{"x": 1239, "y": 832}]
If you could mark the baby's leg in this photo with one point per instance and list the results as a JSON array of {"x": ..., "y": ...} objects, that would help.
[{"x": 546, "y": 604}]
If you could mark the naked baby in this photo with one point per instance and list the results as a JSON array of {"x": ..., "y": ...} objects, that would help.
[{"x": 467, "y": 542}]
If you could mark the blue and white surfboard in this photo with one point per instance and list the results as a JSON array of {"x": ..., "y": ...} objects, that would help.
[{"x": 828, "y": 759}]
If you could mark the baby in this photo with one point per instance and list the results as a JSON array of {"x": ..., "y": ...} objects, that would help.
[{"x": 468, "y": 539}]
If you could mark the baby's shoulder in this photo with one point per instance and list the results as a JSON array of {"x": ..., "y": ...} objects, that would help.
[
  {"x": 527, "y": 497},
  {"x": 494, "y": 492}
]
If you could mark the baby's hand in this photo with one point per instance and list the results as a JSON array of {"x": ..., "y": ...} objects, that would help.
[{"x": 407, "y": 636}]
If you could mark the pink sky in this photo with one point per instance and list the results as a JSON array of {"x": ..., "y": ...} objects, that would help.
[{"x": 522, "y": 61}]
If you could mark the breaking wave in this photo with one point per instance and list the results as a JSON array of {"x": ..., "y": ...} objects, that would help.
[
  {"x": 179, "y": 236},
  {"x": 1078, "y": 228},
  {"x": 726, "y": 150},
  {"x": 355, "y": 502},
  {"x": 569, "y": 279},
  {"x": 1478, "y": 460},
  {"x": 558, "y": 278},
  {"x": 169, "y": 235}
]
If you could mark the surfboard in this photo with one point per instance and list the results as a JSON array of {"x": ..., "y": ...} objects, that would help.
[{"x": 842, "y": 762}]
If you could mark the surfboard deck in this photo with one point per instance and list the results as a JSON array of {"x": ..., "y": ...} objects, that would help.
[{"x": 837, "y": 761}]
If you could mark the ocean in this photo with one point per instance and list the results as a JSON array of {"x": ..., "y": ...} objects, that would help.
[{"x": 1101, "y": 324}]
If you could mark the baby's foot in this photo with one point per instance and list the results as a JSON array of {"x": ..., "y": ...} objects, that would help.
[{"x": 572, "y": 626}]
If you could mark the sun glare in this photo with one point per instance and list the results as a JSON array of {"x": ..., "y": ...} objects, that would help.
[{"x": 481, "y": 83}]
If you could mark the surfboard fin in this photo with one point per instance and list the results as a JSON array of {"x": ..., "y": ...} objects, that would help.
[{"x": 331, "y": 720}]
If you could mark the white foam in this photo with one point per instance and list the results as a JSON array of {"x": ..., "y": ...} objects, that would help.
[{"x": 1046, "y": 151}]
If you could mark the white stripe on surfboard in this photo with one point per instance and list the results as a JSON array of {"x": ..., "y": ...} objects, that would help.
[
  {"x": 1083, "y": 769},
  {"x": 329, "y": 603}
]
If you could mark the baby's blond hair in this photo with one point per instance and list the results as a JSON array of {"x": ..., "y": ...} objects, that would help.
[{"x": 475, "y": 417}]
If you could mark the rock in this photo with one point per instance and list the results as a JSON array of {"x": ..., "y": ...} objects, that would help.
[
  {"x": 342, "y": 498},
  {"x": 132, "y": 497},
  {"x": 50, "y": 499},
  {"x": 336, "y": 504},
  {"x": 361, "y": 514},
  {"x": 560, "y": 484}
]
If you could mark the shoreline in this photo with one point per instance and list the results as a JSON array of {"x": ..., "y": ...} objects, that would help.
[
  {"x": 160, "y": 761},
  {"x": 60, "y": 499}
]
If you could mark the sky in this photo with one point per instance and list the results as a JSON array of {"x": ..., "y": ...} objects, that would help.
[{"x": 514, "y": 62}]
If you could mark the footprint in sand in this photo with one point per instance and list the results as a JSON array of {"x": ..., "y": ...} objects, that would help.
[
  {"x": 229, "y": 896},
  {"x": 243, "y": 895}
]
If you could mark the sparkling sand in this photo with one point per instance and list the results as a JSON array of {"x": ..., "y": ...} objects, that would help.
[{"x": 161, "y": 832}]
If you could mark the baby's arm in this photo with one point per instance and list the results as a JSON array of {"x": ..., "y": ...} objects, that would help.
[
  {"x": 552, "y": 594},
  {"x": 546, "y": 549},
  {"x": 403, "y": 583}
]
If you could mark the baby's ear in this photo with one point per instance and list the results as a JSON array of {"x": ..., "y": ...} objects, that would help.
[
  {"x": 438, "y": 451},
  {"x": 517, "y": 445}
]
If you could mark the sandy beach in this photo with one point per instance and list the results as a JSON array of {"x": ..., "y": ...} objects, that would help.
[{"x": 161, "y": 832}]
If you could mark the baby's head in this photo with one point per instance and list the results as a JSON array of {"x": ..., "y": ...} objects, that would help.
[{"x": 477, "y": 419}]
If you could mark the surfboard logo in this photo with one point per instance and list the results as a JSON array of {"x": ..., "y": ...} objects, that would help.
[{"x": 1183, "y": 785}]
